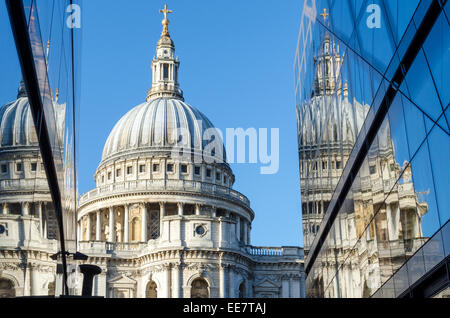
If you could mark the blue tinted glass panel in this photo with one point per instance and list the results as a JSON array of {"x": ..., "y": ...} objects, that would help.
[
  {"x": 425, "y": 206},
  {"x": 438, "y": 56},
  {"x": 433, "y": 251},
  {"x": 439, "y": 145},
  {"x": 418, "y": 86},
  {"x": 415, "y": 126},
  {"x": 401, "y": 283}
]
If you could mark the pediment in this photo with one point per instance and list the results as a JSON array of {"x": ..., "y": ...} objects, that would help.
[
  {"x": 267, "y": 283},
  {"x": 122, "y": 279}
]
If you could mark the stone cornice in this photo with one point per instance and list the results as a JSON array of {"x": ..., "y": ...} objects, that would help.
[
  {"x": 145, "y": 199},
  {"x": 232, "y": 259}
]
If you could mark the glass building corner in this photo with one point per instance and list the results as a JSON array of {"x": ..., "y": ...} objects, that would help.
[{"x": 372, "y": 99}]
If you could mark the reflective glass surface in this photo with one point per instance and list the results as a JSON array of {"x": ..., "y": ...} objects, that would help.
[
  {"x": 388, "y": 230},
  {"x": 29, "y": 227}
]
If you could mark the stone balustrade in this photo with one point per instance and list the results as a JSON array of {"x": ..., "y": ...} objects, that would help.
[
  {"x": 164, "y": 185},
  {"x": 275, "y": 251},
  {"x": 24, "y": 184}
]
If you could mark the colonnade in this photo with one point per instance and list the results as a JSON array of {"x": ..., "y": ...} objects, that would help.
[
  {"x": 26, "y": 209},
  {"x": 92, "y": 227}
]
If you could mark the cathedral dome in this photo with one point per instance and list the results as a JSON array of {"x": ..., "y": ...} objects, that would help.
[
  {"x": 155, "y": 127},
  {"x": 16, "y": 124}
]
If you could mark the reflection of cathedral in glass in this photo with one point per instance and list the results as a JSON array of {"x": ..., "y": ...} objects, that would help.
[
  {"x": 27, "y": 218},
  {"x": 329, "y": 124}
]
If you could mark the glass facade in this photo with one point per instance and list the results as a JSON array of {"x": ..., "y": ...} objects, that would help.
[
  {"x": 37, "y": 183},
  {"x": 372, "y": 99}
]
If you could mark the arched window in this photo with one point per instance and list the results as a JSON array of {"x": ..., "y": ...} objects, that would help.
[
  {"x": 7, "y": 288},
  {"x": 242, "y": 290},
  {"x": 199, "y": 288},
  {"x": 151, "y": 290}
]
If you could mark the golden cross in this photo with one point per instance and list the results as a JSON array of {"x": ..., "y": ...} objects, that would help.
[
  {"x": 165, "y": 11},
  {"x": 324, "y": 14}
]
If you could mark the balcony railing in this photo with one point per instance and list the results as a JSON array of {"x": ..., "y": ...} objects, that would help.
[
  {"x": 24, "y": 184},
  {"x": 274, "y": 251},
  {"x": 136, "y": 247},
  {"x": 162, "y": 185},
  {"x": 108, "y": 247}
]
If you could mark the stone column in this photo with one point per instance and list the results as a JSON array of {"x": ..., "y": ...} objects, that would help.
[
  {"x": 98, "y": 227},
  {"x": 162, "y": 213},
  {"x": 213, "y": 211},
  {"x": 78, "y": 231},
  {"x": 296, "y": 287},
  {"x": 284, "y": 287},
  {"x": 231, "y": 231},
  {"x": 25, "y": 208},
  {"x": 162, "y": 210},
  {"x": 291, "y": 286},
  {"x": 5, "y": 208},
  {"x": 238, "y": 228},
  {"x": 45, "y": 219},
  {"x": 249, "y": 286},
  {"x": 126, "y": 225},
  {"x": 302, "y": 285},
  {"x": 111, "y": 225},
  {"x": 223, "y": 281},
  {"x": 396, "y": 220},
  {"x": 197, "y": 209},
  {"x": 168, "y": 280},
  {"x": 144, "y": 223},
  {"x": 224, "y": 231},
  {"x": 41, "y": 218},
  {"x": 176, "y": 281},
  {"x": 245, "y": 231},
  {"x": 88, "y": 227},
  {"x": 27, "y": 280},
  {"x": 231, "y": 282},
  {"x": 180, "y": 208}
]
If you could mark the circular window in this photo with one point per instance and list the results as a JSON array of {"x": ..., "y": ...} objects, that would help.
[
  {"x": 200, "y": 230},
  {"x": 2, "y": 229}
]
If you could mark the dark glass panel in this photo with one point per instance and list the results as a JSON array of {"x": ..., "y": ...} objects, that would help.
[
  {"x": 436, "y": 51},
  {"x": 446, "y": 238},
  {"x": 433, "y": 251},
  {"x": 415, "y": 126},
  {"x": 418, "y": 86},
  {"x": 439, "y": 148},
  {"x": 416, "y": 266},
  {"x": 419, "y": 186},
  {"x": 398, "y": 135},
  {"x": 401, "y": 283}
]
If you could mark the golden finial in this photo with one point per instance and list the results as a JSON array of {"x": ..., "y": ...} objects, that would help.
[
  {"x": 324, "y": 14},
  {"x": 165, "y": 22}
]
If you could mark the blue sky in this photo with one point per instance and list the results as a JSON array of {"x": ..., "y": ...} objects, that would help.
[{"x": 236, "y": 67}]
